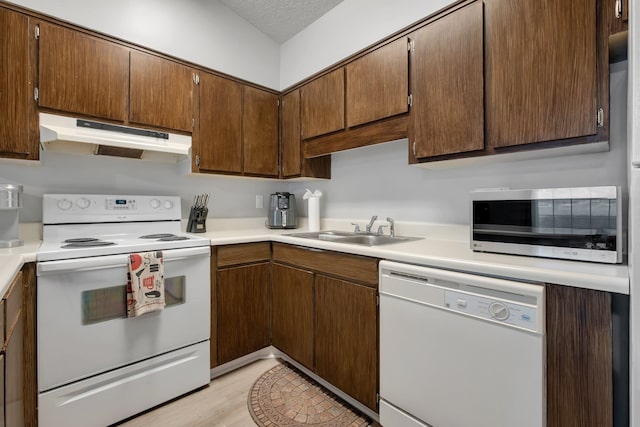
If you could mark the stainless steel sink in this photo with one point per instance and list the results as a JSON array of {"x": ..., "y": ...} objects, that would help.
[{"x": 353, "y": 238}]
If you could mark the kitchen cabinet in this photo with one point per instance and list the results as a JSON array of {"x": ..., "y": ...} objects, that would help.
[
  {"x": 243, "y": 300},
  {"x": 14, "y": 364},
  {"x": 579, "y": 357},
  {"x": 322, "y": 105},
  {"x": 541, "y": 76},
  {"x": 237, "y": 130},
  {"x": 82, "y": 74},
  {"x": 344, "y": 306},
  {"x": 293, "y": 163},
  {"x": 219, "y": 143},
  {"x": 160, "y": 92},
  {"x": 292, "y": 312},
  {"x": 260, "y": 132},
  {"x": 16, "y": 92},
  {"x": 617, "y": 15},
  {"x": 346, "y": 337},
  {"x": 447, "y": 112},
  {"x": 378, "y": 84}
]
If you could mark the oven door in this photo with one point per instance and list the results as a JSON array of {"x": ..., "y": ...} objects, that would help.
[{"x": 82, "y": 325}]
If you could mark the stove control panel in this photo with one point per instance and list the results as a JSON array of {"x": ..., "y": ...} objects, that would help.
[
  {"x": 121, "y": 204},
  {"x": 90, "y": 208}
]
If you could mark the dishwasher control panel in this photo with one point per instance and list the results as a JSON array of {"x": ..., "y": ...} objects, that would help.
[{"x": 502, "y": 311}]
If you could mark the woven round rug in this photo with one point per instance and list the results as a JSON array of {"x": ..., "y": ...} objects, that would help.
[{"x": 284, "y": 397}]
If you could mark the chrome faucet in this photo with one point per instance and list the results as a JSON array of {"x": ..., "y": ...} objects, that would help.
[
  {"x": 368, "y": 227},
  {"x": 392, "y": 230}
]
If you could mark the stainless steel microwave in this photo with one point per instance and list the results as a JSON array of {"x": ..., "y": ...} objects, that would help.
[{"x": 581, "y": 223}]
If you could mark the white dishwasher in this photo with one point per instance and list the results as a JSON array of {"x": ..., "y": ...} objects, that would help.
[{"x": 460, "y": 350}]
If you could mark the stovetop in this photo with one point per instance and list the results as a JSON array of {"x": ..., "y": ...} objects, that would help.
[{"x": 79, "y": 226}]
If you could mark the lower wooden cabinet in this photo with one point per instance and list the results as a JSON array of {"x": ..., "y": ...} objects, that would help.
[
  {"x": 241, "y": 300},
  {"x": 346, "y": 337},
  {"x": 292, "y": 313},
  {"x": 13, "y": 379},
  {"x": 579, "y": 357},
  {"x": 243, "y": 295}
]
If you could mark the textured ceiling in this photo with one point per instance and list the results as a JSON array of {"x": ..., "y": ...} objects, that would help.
[{"x": 281, "y": 19}]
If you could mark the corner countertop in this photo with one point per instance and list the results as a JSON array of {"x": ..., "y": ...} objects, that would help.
[{"x": 441, "y": 246}]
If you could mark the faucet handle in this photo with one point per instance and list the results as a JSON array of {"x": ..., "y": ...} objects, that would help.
[
  {"x": 380, "y": 227},
  {"x": 357, "y": 229},
  {"x": 392, "y": 230}
]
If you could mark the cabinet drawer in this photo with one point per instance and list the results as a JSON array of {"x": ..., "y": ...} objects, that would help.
[
  {"x": 355, "y": 267},
  {"x": 243, "y": 253},
  {"x": 12, "y": 302}
]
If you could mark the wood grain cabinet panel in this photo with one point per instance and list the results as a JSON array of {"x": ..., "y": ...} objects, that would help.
[
  {"x": 243, "y": 310},
  {"x": 292, "y": 313},
  {"x": 2, "y": 391},
  {"x": 15, "y": 91},
  {"x": 290, "y": 134},
  {"x": 322, "y": 105},
  {"x": 447, "y": 115},
  {"x": 378, "y": 84},
  {"x": 260, "y": 132},
  {"x": 579, "y": 357},
  {"x": 293, "y": 163},
  {"x": 82, "y": 74},
  {"x": 243, "y": 253},
  {"x": 14, "y": 371},
  {"x": 617, "y": 15},
  {"x": 160, "y": 92},
  {"x": 541, "y": 70},
  {"x": 219, "y": 142},
  {"x": 346, "y": 337}
]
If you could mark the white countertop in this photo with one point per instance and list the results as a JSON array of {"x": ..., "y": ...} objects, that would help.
[{"x": 444, "y": 246}]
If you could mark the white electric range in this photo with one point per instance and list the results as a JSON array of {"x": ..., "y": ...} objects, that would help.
[{"x": 95, "y": 365}]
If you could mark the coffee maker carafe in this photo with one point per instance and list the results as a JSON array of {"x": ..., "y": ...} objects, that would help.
[{"x": 282, "y": 211}]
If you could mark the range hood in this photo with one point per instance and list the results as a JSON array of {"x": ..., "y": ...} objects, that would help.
[{"x": 72, "y": 135}]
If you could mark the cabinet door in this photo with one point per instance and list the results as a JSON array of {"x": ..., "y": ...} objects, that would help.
[
  {"x": 82, "y": 74},
  {"x": 346, "y": 337},
  {"x": 15, "y": 90},
  {"x": 322, "y": 105},
  {"x": 260, "y": 132},
  {"x": 14, "y": 381},
  {"x": 220, "y": 133},
  {"x": 541, "y": 70},
  {"x": 292, "y": 315},
  {"x": 378, "y": 84},
  {"x": 579, "y": 357},
  {"x": 447, "y": 115},
  {"x": 291, "y": 155},
  {"x": 160, "y": 92},
  {"x": 244, "y": 299},
  {"x": 2, "y": 391}
]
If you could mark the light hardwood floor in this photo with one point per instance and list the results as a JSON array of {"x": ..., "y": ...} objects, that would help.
[{"x": 222, "y": 404}]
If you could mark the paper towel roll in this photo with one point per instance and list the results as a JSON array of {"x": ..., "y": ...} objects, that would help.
[{"x": 314, "y": 214}]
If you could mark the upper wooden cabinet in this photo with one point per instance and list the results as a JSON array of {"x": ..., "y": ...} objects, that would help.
[
  {"x": 16, "y": 93},
  {"x": 82, "y": 74},
  {"x": 322, "y": 105},
  {"x": 378, "y": 84},
  {"x": 541, "y": 58},
  {"x": 220, "y": 126},
  {"x": 617, "y": 14},
  {"x": 293, "y": 164},
  {"x": 160, "y": 92},
  {"x": 447, "y": 115},
  {"x": 237, "y": 130},
  {"x": 260, "y": 132}
]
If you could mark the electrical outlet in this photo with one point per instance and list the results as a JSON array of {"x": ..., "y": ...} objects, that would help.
[{"x": 259, "y": 204}]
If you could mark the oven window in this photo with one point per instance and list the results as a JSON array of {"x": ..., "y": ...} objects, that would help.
[{"x": 100, "y": 305}]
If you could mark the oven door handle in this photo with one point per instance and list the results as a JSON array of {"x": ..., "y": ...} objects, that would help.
[{"x": 114, "y": 261}]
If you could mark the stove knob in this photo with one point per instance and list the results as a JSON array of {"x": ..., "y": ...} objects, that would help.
[
  {"x": 155, "y": 203},
  {"x": 83, "y": 203},
  {"x": 64, "y": 204},
  {"x": 168, "y": 204}
]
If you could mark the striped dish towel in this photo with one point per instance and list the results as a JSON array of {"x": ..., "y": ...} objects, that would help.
[{"x": 145, "y": 283}]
